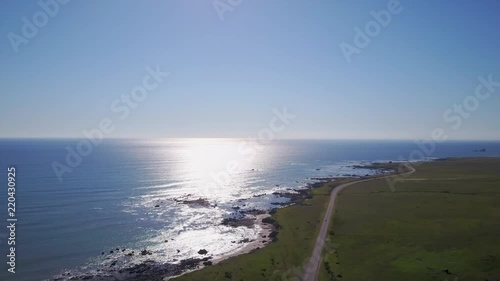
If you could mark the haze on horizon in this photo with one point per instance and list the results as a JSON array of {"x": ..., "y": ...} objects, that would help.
[{"x": 229, "y": 73}]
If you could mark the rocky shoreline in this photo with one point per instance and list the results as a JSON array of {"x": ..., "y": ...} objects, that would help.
[{"x": 150, "y": 270}]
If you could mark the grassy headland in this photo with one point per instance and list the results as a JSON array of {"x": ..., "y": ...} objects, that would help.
[{"x": 440, "y": 223}]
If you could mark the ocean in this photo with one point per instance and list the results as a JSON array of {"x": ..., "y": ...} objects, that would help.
[{"x": 129, "y": 194}]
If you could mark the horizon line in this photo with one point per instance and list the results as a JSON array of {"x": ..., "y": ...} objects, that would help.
[{"x": 235, "y": 138}]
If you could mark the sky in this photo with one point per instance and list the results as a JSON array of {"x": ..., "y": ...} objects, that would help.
[{"x": 232, "y": 64}]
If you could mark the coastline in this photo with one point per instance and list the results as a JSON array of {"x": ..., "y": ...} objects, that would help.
[
  {"x": 296, "y": 197},
  {"x": 152, "y": 270},
  {"x": 300, "y": 196},
  {"x": 136, "y": 224},
  {"x": 168, "y": 271},
  {"x": 262, "y": 241}
]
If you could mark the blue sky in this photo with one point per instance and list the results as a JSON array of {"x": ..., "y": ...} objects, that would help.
[{"x": 227, "y": 76}]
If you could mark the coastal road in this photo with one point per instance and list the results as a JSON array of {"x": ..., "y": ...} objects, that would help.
[{"x": 311, "y": 270}]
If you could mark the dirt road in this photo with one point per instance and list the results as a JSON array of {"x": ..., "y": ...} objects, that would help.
[{"x": 312, "y": 269}]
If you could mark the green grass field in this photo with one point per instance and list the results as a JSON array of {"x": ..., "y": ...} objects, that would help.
[
  {"x": 283, "y": 259},
  {"x": 444, "y": 216}
]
